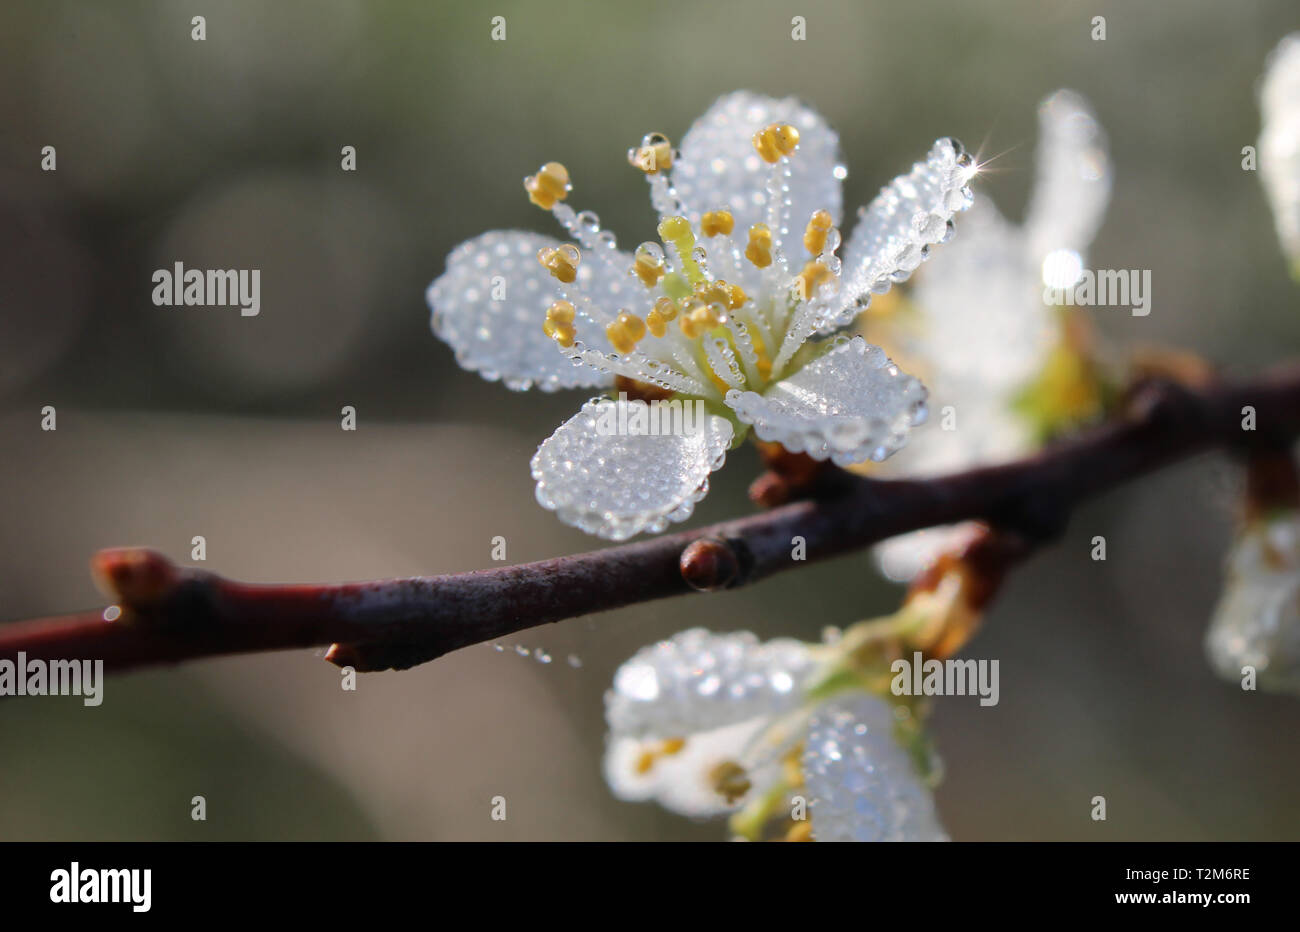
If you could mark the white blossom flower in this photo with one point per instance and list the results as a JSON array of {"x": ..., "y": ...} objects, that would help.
[
  {"x": 1279, "y": 143},
  {"x": 977, "y": 328},
  {"x": 737, "y": 308},
  {"x": 707, "y": 724},
  {"x": 1257, "y": 621}
]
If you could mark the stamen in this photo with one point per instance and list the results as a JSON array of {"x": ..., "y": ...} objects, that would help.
[
  {"x": 716, "y": 226},
  {"x": 655, "y": 157},
  {"x": 547, "y": 189},
  {"x": 550, "y": 184}
]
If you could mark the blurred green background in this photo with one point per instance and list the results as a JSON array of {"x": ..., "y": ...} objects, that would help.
[{"x": 174, "y": 422}]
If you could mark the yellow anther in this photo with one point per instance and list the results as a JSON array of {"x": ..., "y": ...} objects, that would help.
[
  {"x": 559, "y": 323},
  {"x": 775, "y": 140},
  {"x": 550, "y": 184},
  {"x": 814, "y": 235},
  {"x": 649, "y": 265},
  {"x": 708, "y": 292},
  {"x": 698, "y": 319},
  {"x": 633, "y": 325},
  {"x": 730, "y": 781},
  {"x": 561, "y": 312},
  {"x": 655, "y": 154},
  {"x": 625, "y": 331},
  {"x": 561, "y": 262},
  {"x": 717, "y": 221},
  {"x": 649, "y": 756},
  {"x": 664, "y": 311},
  {"x": 813, "y": 276},
  {"x": 759, "y": 250},
  {"x": 690, "y": 328},
  {"x": 645, "y": 762},
  {"x": 719, "y": 292}
]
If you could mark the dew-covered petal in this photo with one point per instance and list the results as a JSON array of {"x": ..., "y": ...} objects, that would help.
[
  {"x": 849, "y": 405},
  {"x": 894, "y": 233},
  {"x": 1072, "y": 181},
  {"x": 681, "y": 779},
  {"x": 697, "y": 681},
  {"x": 719, "y": 167},
  {"x": 982, "y": 320},
  {"x": 1279, "y": 141},
  {"x": 602, "y": 473},
  {"x": 490, "y": 305},
  {"x": 1257, "y": 620},
  {"x": 861, "y": 784}
]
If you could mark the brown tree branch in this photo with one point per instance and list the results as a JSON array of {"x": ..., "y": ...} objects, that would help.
[{"x": 166, "y": 614}]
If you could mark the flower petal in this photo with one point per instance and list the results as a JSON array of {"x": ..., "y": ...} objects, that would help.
[
  {"x": 894, "y": 232},
  {"x": 1279, "y": 141},
  {"x": 1257, "y": 620},
  {"x": 1072, "y": 183},
  {"x": 861, "y": 784},
  {"x": 719, "y": 168},
  {"x": 903, "y": 558},
  {"x": 850, "y": 404},
  {"x": 697, "y": 681},
  {"x": 503, "y": 338},
  {"x": 982, "y": 318},
  {"x": 638, "y": 770},
  {"x": 600, "y": 473}
]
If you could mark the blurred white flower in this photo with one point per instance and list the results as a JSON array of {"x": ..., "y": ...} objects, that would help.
[
  {"x": 1257, "y": 621},
  {"x": 1279, "y": 142},
  {"x": 976, "y": 327},
  {"x": 730, "y": 320},
  {"x": 707, "y": 724}
]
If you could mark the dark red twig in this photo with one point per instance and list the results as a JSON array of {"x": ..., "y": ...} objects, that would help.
[{"x": 169, "y": 614}]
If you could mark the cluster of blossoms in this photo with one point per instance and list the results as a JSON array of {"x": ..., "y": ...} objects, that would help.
[
  {"x": 739, "y": 306},
  {"x": 745, "y": 305}
]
